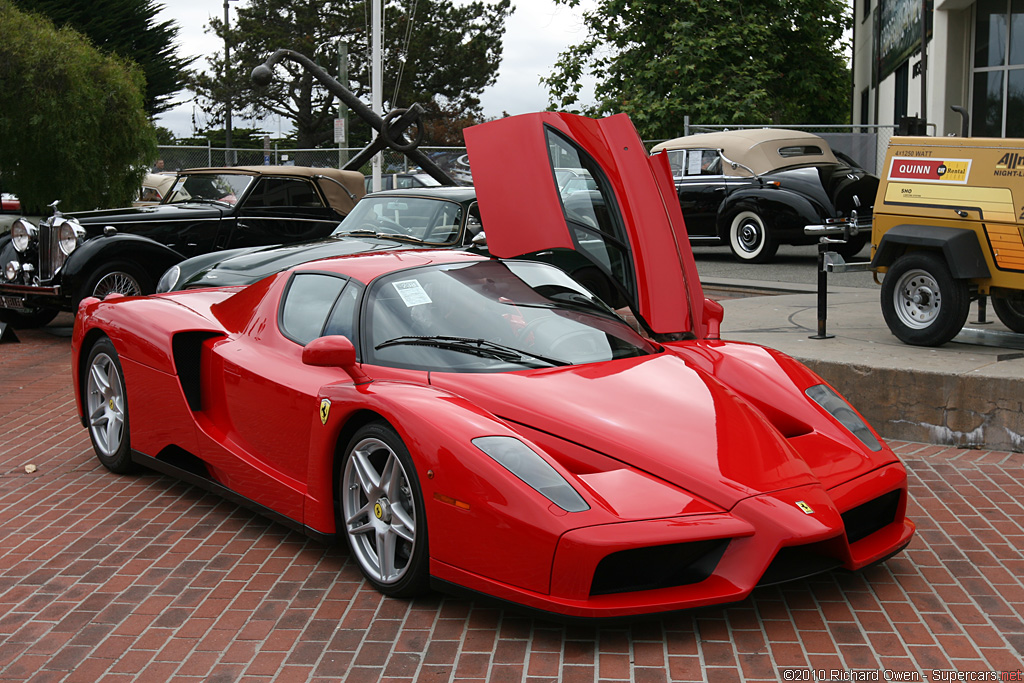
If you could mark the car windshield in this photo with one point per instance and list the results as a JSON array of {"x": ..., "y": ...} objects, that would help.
[
  {"x": 491, "y": 316},
  {"x": 224, "y": 188},
  {"x": 416, "y": 219}
]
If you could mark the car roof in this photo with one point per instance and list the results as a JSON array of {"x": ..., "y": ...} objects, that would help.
[
  {"x": 367, "y": 266},
  {"x": 757, "y": 148},
  {"x": 340, "y": 199}
]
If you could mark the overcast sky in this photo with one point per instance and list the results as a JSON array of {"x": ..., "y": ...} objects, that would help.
[{"x": 534, "y": 36}]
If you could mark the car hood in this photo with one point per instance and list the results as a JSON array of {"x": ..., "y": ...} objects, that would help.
[
  {"x": 831, "y": 187},
  {"x": 252, "y": 265},
  {"x": 140, "y": 214},
  {"x": 655, "y": 413}
]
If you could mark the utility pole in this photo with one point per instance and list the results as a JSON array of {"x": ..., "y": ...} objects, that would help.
[
  {"x": 342, "y": 109},
  {"x": 376, "y": 79}
]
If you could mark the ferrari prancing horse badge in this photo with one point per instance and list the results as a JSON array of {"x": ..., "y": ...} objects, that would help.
[{"x": 325, "y": 410}]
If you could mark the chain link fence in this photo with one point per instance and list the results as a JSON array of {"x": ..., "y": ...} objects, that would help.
[{"x": 452, "y": 160}]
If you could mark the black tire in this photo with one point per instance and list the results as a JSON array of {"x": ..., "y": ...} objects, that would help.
[
  {"x": 391, "y": 510},
  {"x": 27, "y": 318},
  {"x": 1009, "y": 306},
  {"x": 750, "y": 237},
  {"x": 121, "y": 277},
  {"x": 922, "y": 303},
  {"x": 105, "y": 399},
  {"x": 852, "y": 247}
]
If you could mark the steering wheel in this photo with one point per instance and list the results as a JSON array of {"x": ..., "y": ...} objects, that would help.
[{"x": 384, "y": 224}]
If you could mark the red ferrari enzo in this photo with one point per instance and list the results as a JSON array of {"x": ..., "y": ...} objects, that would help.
[{"x": 489, "y": 425}]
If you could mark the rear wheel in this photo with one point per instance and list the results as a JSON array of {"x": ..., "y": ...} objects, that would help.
[
  {"x": 851, "y": 247},
  {"x": 383, "y": 513},
  {"x": 106, "y": 408},
  {"x": 750, "y": 239},
  {"x": 922, "y": 303},
  {"x": 1009, "y": 306}
]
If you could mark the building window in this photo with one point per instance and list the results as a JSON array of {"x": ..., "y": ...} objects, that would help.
[
  {"x": 997, "y": 108},
  {"x": 901, "y": 98}
]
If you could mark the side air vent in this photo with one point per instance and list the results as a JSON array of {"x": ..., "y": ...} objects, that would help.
[
  {"x": 866, "y": 519},
  {"x": 662, "y": 566},
  {"x": 187, "y": 347}
]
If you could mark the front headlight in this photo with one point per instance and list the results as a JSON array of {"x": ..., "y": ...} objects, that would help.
[
  {"x": 22, "y": 233},
  {"x": 168, "y": 280},
  {"x": 68, "y": 234},
  {"x": 838, "y": 408},
  {"x": 11, "y": 270},
  {"x": 522, "y": 461}
]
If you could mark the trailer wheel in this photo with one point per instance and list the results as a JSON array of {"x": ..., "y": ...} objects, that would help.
[
  {"x": 922, "y": 303},
  {"x": 1009, "y": 306}
]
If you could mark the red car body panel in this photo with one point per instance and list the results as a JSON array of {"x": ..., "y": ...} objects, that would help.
[{"x": 704, "y": 444}]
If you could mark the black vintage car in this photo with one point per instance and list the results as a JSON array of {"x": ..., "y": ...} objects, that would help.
[
  {"x": 414, "y": 218},
  {"x": 755, "y": 189},
  {"x": 51, "y": 267}
]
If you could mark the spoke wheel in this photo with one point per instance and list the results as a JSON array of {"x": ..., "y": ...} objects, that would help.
[
  {"x": 921, "y": 301},
  {"x": 120, "y": 278},
  {"x": 106, "y": 405},
  {"x": 382, "y": 512}
]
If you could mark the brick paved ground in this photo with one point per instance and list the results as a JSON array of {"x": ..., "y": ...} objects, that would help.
[{"x": 110, "y": 578}]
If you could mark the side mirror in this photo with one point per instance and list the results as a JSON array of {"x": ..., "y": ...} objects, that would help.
[
  {"x": 713, "y": 315},
  {"x": 334, "y": 352}
]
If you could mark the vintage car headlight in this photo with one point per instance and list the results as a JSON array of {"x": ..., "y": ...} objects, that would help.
[
  {"x": 22, "y": 233},
  {"x": 841, "y": 410},
  {"x": 522, "y": 461},
  {"x": 68, "y": 234},
  {"x": 168, "y": 279},
  {"x": 11, "y": 270}
]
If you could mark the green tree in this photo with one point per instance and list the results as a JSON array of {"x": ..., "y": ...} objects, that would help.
[
  {"x": 127, "y": 28},
  {"x": 720, "y": 62},
  {"x": 442, "y": 55},
  {"x": 72, "y": 122}
]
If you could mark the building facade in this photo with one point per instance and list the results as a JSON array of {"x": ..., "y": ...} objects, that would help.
[{"x": 974, "y": 58}]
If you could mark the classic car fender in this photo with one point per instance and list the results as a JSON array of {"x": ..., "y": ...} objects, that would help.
[
  {"x": 790, "y": 211},
  {"x": 149, "y": 255},
  {"x": 959, "y": 246},
  {"x": 467, "y": 495}
]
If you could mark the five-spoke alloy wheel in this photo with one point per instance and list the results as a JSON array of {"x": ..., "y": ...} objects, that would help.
[
  {"x": 382, "y": 511},
  {"x": 106, "y": 406}
]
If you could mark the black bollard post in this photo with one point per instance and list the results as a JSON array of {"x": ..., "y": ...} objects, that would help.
[{"x": 822, "y": 292}]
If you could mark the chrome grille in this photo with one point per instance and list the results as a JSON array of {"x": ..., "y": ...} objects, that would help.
[{"x": 51, "y": 258}]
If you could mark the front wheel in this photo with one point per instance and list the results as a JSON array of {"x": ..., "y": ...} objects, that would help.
[
  {"x": 120, "y": 278},
  {"x": 106, "y": 406},
  {"x": 383, "y": 513},
  {"x": 922, "y": 303},
  {"x": 750, "y": 239},
  {"x": 1009, "y": 306}
]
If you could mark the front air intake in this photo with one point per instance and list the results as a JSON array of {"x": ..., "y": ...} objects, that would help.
[{"x": 662, "y": 566}]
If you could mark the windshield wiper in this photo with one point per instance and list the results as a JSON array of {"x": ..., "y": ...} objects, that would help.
[
  {"x": 379, "y": 235},
  {"x": 565, "y": 300},
  {"x": 480, "y": 347}
]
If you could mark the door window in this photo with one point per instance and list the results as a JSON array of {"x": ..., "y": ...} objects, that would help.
[
  {"x": 592, "y": 215},
  {"x": 281, "y": 192}
]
